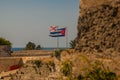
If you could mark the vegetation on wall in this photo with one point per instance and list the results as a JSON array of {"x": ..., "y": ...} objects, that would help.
[
  {"x": 57, "y": 54},
  {"x": 98, "y": 73},
  {"x": 38, "y": 63},
  {"x": 66, "y": 68}
]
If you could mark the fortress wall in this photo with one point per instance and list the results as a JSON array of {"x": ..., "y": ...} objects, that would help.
[{"x": 98, "y": 26}]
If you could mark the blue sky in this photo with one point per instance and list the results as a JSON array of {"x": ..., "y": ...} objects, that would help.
[{"x": 22, "y": 21}]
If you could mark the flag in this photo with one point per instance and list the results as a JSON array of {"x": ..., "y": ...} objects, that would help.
[
  {"x": 60, "y": 32},
  {"x": 53, "y": 28}
]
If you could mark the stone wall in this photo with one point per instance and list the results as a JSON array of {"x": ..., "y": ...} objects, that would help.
[
  {"x": 6, "y": 62},
  {"x": 99, "y": 26},
  {"x": 5, "y": 50},
  {"x": 85, "y": 4}
]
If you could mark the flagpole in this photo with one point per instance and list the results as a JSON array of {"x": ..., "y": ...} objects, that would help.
[
  {"x": 66, "y": 38},
  {"x": 57, "y": 42}
]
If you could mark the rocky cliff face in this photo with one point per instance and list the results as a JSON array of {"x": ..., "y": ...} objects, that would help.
[{"x": 99, "y": 26}]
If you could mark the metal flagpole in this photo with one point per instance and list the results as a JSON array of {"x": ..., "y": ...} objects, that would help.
[
  {"x": 57, "y": 41},
  {"x": 66, "y": 38}
]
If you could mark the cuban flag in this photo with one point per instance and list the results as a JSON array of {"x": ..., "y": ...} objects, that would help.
[{"x": 57, "y": 32}]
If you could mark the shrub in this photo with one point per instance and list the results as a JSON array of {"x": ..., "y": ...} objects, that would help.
[
  {"x": 72, "y": 44},
  {"x": 57, "y": 54},
  {"x": 80, "y": 77},
  {"x": 51, "y": 63},
  {"x": 101, "y": 74},
  {"x": 98, "y": 73},
  {"x": 66, "y": 68},
  {"x": 38, "y": 63}
]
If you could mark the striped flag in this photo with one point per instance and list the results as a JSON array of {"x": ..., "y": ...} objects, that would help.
[{"x": 57, "y": 32}]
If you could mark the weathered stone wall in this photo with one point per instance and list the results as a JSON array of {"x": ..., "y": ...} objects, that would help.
[
  {"x": 85, "y": 4},
  {"x": 99, "y": 26},
  {"x": 6, "y": 62}
]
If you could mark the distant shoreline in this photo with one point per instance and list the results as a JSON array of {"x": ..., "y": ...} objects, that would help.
[{"x": 47, "y": 48}]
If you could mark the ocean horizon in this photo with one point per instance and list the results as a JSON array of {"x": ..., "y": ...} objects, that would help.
[{"x": 45, "y": 48}]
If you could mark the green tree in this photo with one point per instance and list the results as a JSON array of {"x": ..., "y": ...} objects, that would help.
[
  {"x": 3, "y": 41},
  {"x": 72, "y": 44},
  {"x": 38, "y": 47},
  {"x": 30, "y": 46}
]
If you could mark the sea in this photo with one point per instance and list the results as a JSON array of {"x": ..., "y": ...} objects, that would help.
[{"x": 47, "y": 48}]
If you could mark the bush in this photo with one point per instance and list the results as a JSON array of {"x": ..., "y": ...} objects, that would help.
[
  {"x": 38, "y": 63},
  {"x": 98, "y": 73},
  {"x": 72, "y": 44},
  {"x": 66, "y": 68},
  {"x": 51, "y": 63},
  {"x": 101, "y": 74},
  {"x": 58, "y": 54}
]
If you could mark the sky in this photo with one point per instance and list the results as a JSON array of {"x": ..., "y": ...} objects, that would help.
[{"x": 22, "y": 21}]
